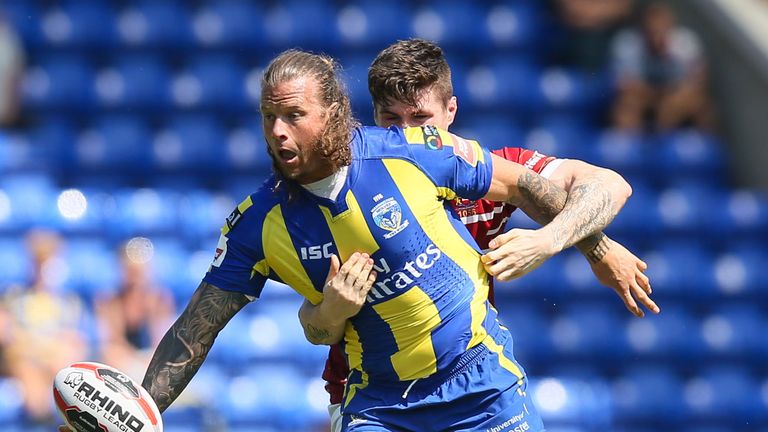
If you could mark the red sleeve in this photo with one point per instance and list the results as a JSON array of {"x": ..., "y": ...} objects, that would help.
[
  {"x": 335, "y": 373},
  {"x": 531, "y": 159}
]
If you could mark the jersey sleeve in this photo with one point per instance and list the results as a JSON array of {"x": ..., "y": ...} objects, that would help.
[
  {"x": 531, "y": 159},
  {"x": 238, "y": 263},
  {"x": 459, "y": 167}
]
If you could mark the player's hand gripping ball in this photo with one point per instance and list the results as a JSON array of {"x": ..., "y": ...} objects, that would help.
[{"x": 93, "y": 397}]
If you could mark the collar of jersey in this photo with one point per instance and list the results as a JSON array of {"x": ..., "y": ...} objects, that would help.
[{"x": 338, "y": 206}]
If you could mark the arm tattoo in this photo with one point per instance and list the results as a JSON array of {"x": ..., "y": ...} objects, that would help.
[
  {"x": 586, "y": 209},
  {"x": 595, "y": 247},
  {"x": 184, "y": 347},
  {"x": 543, "y": 199},
  {"x": 315, "y": 334}
]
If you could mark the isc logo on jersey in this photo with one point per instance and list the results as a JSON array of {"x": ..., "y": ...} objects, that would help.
[
  {"x": 390, "y": 281},
  {"x": 316, "y": 252}
]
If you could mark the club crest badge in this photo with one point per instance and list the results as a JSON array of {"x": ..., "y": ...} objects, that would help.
[{"x": 389, "y": 216}]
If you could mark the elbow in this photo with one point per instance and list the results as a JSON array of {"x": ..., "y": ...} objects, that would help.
[
  {"x": 626, "y": 188},
  {"x": 622, "y": 190}
]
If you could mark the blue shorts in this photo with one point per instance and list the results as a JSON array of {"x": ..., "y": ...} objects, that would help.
[{"x": 480, "y": 393}]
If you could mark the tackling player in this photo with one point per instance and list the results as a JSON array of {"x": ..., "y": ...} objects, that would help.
[
  {"x": 425, "y": 349},
  {"x": 410, "y": 84}
]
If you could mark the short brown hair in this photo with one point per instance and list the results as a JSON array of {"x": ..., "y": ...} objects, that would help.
[
  {"x": 292, "y": 64},
  {"x": 406, "y": 68}
]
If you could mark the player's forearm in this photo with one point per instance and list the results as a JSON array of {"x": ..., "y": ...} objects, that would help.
[
  {"x": 593, "y": 201},
  {"x": 320, "y": 327},
  {"x": 574, "y": 217},
  {"x": 185, "y": 346}
]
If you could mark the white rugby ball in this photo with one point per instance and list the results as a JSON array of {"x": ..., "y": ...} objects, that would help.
[{"x": 93, "y": 397}]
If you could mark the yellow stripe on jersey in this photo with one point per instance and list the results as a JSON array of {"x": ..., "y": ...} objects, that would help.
[
  {"x": 446, "y": 193},
  {"x": 281, "y": 256},
  {"x": 434, "y": 220},
  {"x": 353, "y": 388},
  {"x": 505, "y": 362},
  {"x": 479, "y": 312},
  {"x": 353, "y": 347},
  {"x": 411, "y": 316},
  {"x": 242, "y": 207},
  {"x": 349, "y": 230},
  {"x": 414, "y": 135},
  {"x": 261, "y": 268}
]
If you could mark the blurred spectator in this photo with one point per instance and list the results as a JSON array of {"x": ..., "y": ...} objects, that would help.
[
  {"x": 661, "y": 73},
  {"x": 137, "y": 316},
  {"x": 43, "y": 332},
  {"x": 11, "y": 71},
  {"x": 589, "y": 28}
]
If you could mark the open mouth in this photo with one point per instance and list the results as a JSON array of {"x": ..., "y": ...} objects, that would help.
[{"x": 287, "y": 155}]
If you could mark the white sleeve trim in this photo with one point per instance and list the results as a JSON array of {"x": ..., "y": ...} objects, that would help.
[{"x": 550, "y": 168}]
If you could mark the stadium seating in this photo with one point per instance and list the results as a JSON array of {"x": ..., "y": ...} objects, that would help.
[
  {"x": 155, "y": 24},
  {"x": 142, "y": 121},
  {"x": 446, "y": 23},
  {"x": 213, "y": 82},
  {"x": 135, "y": 82},
  {"x": 60, "y": 82},
  {"x": 650, "y": 394},
  {"x": 228, "y": 24},
  {"x": 79, "y": 24},
  {"x": 371, "y": 24},
  {"x": 285, "y": 24}
]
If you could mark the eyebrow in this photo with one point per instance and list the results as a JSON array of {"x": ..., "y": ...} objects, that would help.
[
  {"x": 388, "y": 112},
  {"x": 295, "y": 107},
  {"x": 419, "y": 111}
]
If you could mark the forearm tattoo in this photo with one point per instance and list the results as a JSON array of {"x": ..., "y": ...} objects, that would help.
[
  {"x": 543, "y": 200},
  {"x": 595, "y": 247},
  {"x": 184, "y": 347},
  {"x": 315, "y": 334},
  {"x": 586, "y": 209}
]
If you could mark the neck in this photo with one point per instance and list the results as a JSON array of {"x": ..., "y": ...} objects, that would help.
[{"x": 317, "y": 175}]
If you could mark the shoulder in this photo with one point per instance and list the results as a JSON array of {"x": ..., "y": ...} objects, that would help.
[
  {"x": 247, "y": 218},
  {"x": 372, "y": 142}
]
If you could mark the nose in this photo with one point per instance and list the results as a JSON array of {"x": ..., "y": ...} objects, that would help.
[{"x": 278, "y": 130}]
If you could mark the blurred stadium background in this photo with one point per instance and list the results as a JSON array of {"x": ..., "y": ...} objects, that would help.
[{"x": 138, "y": 120}]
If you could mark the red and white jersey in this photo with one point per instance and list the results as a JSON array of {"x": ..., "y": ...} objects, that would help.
[{"x": 484, "y": 219}]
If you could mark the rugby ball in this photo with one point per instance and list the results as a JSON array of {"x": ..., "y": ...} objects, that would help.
[{"x": 93, "y": 397}]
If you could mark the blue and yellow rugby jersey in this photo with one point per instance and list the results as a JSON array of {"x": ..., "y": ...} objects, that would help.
[{"x": 429, "y": 303}]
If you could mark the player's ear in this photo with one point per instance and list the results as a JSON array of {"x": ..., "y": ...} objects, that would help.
[
  {"x": 332, "y": 111},
  {"x": 452, "y": 108}
]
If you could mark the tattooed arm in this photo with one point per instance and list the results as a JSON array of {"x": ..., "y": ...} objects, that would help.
[
  {"x": 590, "y": 208},
  {"x": 184, "y": 347},
  {"x": 595, "y": 195},
  {"x": 569, "y": 217},
  {"x": 589, "y": 204}
]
